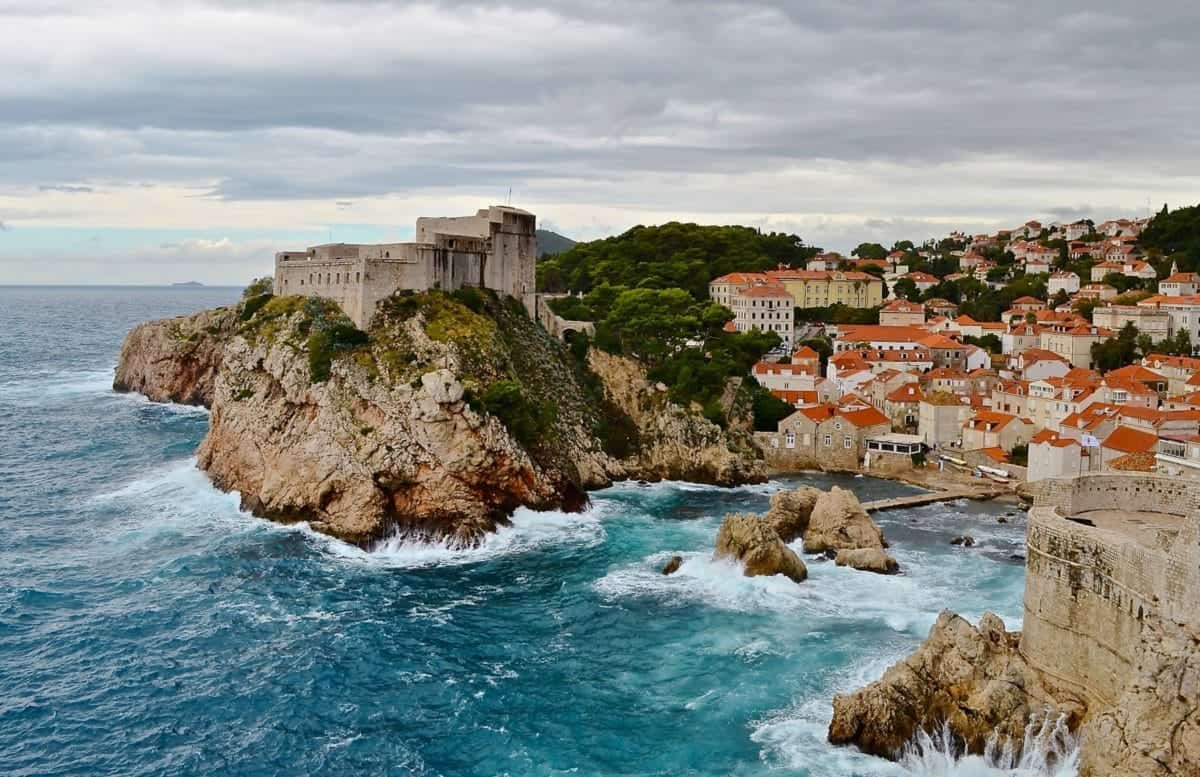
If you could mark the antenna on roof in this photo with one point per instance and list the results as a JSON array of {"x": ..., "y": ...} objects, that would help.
[{"x": 509, "y": 196}]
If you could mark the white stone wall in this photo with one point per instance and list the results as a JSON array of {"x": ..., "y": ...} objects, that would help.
[{"x": 1089, "y": 590}]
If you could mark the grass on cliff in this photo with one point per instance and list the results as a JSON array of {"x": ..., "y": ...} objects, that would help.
[{"x": 317, "y": 324}]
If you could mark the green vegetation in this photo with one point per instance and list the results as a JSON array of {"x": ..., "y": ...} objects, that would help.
[
  {"x": 1129, "y": 346},
  {"x": 330, "y": 334},
  {"x": 524, "y": 417},
  {"x": 674, "y": 255},
  {"x": 255, "y": 296},
  {"x": 1175, "y": 236},
  {"x": 870, "y": 251},
  {"x": 988, "y": 342},
  {"x": 258, "y": 287},
  {"x": 838, "y": 314},
  {"x": 1019, "y": 455},
  {"x": 552, "y": 244},
  {"x": 769, "y": 409}
]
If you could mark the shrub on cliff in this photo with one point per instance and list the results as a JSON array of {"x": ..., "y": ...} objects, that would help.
[
  {"x": 526, "y": 419},
  {"x": 330, "y": 333},
  {"x": 255, "y": 296}
]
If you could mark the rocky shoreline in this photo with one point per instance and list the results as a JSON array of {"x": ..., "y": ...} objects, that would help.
[
  {"x": 439, "y": 422},
  {"x": 1110, "y": 647}
]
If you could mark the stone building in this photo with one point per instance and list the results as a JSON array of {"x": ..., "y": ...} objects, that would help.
[
  {"x": 824, "y": 437},
  {"x": 494, "y": 249}
]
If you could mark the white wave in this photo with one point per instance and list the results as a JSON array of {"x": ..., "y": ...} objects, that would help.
[
  {"x": 719, "y": 584},
  {"x": 529, "y": 531},
  {"x": 1050, "y": 750},
  {"x": 39, "y": 388}
]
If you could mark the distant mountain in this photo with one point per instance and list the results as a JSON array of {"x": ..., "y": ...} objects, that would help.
[
  {"x": 188, "y": 283},
  {"x": 551, "y": 243}
]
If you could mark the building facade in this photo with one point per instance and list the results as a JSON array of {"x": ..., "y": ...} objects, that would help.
[{"x": 494, "y": 249}]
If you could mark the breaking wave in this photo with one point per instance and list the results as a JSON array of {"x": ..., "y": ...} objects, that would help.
[{"x": 1050, "y": 750}]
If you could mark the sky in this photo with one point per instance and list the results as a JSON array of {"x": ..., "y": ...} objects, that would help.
[{"x": 158, "y": 142}]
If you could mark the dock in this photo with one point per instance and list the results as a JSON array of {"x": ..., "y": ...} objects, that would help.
[{"x": 916, "y": 500}]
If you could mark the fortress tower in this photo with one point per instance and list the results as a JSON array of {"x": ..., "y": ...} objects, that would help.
[{"x": 494, "y": 249}]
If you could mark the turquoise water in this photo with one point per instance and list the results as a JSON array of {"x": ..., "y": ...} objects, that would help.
[{"x": 147, "y": 626}]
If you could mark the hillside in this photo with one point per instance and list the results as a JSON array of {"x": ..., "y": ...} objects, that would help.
[
  {"x": 674, "y": 255},
  {"x": 1176, "y": 235},
  {"x": 552, "y": 244},
  {"x": 450, "y": 412}
]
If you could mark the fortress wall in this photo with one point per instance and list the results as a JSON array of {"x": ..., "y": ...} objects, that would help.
[{"x": 1088, "y": 590}]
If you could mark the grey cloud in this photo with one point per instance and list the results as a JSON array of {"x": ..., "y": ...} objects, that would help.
[
  {"x": 654, "y": 104},
  {"x": 65, "y": 188}
]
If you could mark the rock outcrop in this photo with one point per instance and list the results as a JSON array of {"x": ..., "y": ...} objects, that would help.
[
  {"x": 868, "y": 560},
  {"x": 450, "y": 413},
  {"x": 973, "y": 679},
  {"x": 677, "y": 443},
  {"x": 839, "y": 523},
  {"x": 1110, "y": 647},
  {"x": 791, "y": 511},
  {"x": 749, "y": 540},
  {"x": 176, "y": 360}
]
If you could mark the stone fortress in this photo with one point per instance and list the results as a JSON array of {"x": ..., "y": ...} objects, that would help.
[
  {"x": 494, "y": 249},
  {"x": 1109, "y": 646},
  {"x": 1107, "y": 552}
]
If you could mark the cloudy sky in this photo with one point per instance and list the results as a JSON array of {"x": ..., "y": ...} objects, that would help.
[{"x": 154, "y": 142}]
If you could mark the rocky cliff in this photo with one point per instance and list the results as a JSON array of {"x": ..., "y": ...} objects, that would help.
[
  {"x": 451, "y": 412},
  {"x": 676, "y": 443},
  {"x": 973, "y": 679},
  {"x": 176, "y": 360},
  {"x": 1111, "y": 640}
]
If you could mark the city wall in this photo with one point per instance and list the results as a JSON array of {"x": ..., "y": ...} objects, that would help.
[{"x": 1088, "y": 590}]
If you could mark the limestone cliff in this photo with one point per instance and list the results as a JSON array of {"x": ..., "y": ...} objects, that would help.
[
  {"x": 676, "y": 443},
  {"x": 975, "y": 680},
  {"x": 176, "y": 360},
  {"x": 448, "y": 414},
  {"x": 1111, "y": 639}
]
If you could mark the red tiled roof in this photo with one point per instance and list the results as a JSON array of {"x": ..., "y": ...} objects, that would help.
[
  {"x": 1129, "y": 440},
  {"x": 909, "y": 392},
  {"x": 868, "y": 416},
  {"x": 766, "y": 290}
]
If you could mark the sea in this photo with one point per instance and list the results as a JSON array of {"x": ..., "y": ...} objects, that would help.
[{"x": 148, "y": 626}]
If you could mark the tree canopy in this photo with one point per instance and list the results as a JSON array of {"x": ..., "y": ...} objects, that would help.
[
  {"x": 674, "y": 255},
  {"x": 1176, "y": 234}
]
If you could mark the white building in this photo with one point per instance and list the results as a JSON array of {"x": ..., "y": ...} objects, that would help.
[
  {"x": 1063, "y": 280},
  {"x": 766, "y": 307}
]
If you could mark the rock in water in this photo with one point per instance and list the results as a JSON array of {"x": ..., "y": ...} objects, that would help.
[
  {"x": 838, "y": 522},
  {"x": 974, "y": 680},
  {"x": 751, "y": 541},
  {"x": 966, "y": 541},
  {"x": 868, "y": 560},
  {"x": 791, "y": 510},
  {"x": 673, "y": 565}
]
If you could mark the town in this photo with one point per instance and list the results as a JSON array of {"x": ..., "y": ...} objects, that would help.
[{"x": 1043, "y": 351}]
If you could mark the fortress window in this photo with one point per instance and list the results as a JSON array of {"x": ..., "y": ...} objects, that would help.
[
  {"x": 356, "y": 277},
  {"x": 339, "y": 277},
  {"x": 329, "y": 277},
  {"x": 301, "y": 281},
  {"x": 387, "y": 254}
]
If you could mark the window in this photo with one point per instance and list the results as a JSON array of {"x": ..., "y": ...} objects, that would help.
[
  {"x": 828, "y": 440},
  {"x": 790, "y": 439},
  {"x": 339, "y": 278},
  {"x": 846, "y": 442},
  {"x": 357, "y": 278}
]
